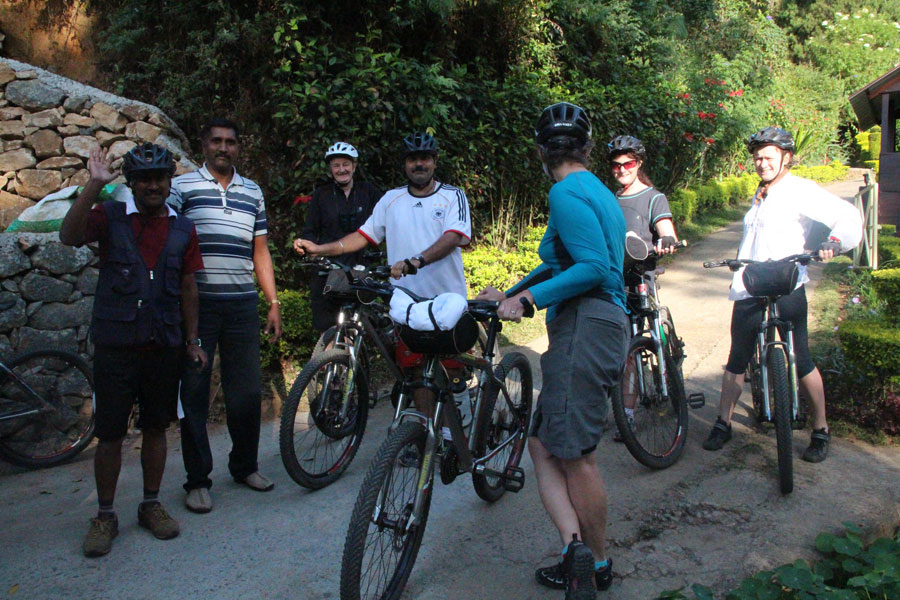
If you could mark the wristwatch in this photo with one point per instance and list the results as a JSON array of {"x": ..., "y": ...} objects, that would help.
[
  {"x": 421, "y": 259},
  {"x": 194, "y": 342}
]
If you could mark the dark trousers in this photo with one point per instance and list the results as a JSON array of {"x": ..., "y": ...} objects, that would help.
[{"x": 233, "y": 326}]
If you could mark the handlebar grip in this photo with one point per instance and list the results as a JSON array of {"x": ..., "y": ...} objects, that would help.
[
  {"x": 527, "y": 307},
  {"x": 712, "y": 264},
  {"x": 411, "y": 269}
]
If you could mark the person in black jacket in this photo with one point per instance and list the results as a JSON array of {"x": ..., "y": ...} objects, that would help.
[{"x": 337, "y": 208}]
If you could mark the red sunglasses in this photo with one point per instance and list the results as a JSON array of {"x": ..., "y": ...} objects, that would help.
[{"x": 623, "y": 165}]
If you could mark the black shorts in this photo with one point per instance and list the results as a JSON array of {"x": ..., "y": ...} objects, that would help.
[
  {"x": 745, "y": 319},
  {"x": 123, "y": 376}
]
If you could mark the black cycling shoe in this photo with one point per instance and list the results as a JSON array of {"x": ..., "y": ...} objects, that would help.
[
  {"x": 721, "y": 433},
  {"x": 553, "y": 577},
  {"x": 603, "y": 577},
  {"x": 818, "y": 446},
  {"x": 580, "y": 571}
]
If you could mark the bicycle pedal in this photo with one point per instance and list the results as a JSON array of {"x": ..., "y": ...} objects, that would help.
[
  {"x": 697, "y": 400},
  {"x": 513, "y": 479}
]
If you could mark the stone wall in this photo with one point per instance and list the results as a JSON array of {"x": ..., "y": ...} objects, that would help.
[
  {"x": 49, "y": 124},
  {"x": 52, "y": 289}
]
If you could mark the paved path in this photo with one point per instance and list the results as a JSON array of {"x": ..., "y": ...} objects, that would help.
[{"x": 712, "y": 518}]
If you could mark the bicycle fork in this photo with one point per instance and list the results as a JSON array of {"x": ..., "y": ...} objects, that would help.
[{"x": 765, "y": 340}]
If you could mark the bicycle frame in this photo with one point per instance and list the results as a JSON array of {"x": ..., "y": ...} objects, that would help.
[
  {"x": 766, "y": 338},
  {"x": 435, "y": 379},
  {"x": 8, "y": 373},
  {"x": 651, "y": 315}
]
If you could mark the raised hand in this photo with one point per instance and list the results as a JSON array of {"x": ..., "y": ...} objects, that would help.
[{"x": 99, "y": 164}]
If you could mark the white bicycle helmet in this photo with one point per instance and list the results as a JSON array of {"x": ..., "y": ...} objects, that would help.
[{"x": 341, "y": 149}]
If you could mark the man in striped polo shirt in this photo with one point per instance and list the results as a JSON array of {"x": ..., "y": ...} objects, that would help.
[{"x": 230, "y": 216}]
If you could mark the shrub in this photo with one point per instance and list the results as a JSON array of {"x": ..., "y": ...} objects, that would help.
[
  {"x": 488, "y": 265},
  {"x": 710, "y": 196},
  {"x": 888, "y": 245},
  {"x": 871, "y": 344},
  {"x": 887, "y": 287},
  {"x": 687, "y": 204},
  {"x": 298, "y": 337},
  {"x": 833, "y": 171},
  {"x": 748, "y": 185}
]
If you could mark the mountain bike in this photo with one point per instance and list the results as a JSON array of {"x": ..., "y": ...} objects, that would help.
[
  {"x": 391, "y": 510},
  {"x": 46, "y": 407},
  {"x": 773, "y": 368},
  {"x": 652, "y": 382},
  {"x": 324, "y": 417}
]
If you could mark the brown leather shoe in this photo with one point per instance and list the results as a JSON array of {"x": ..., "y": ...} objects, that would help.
[
  {"x": 152, "y": 516},
  {"x": 258, "y": 482},
  {"x": 98, "y": 541}
]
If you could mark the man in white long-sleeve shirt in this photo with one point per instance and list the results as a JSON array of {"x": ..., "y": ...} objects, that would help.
[{"x": 784, "y": 209}]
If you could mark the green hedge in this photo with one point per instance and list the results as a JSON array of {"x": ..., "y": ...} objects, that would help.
[
  {"x": 887, "y": 287},
  {"x": 488, "y": 265},
  {"x": 873, "y": 345},
  {"x": 888, "y": 245},
  {"x": 833, "y": 171},
  {"x": 298, "y": 337}
]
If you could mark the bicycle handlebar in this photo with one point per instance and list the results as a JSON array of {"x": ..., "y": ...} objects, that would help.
[
  {"x": 488, "y": 308},
  {"x": 736, "y": 263}
]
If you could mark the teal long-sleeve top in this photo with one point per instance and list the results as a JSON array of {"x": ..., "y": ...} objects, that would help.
[{"x": 583, "y": 248}]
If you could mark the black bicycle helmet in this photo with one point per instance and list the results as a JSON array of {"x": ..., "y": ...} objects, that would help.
[
  {"x": 626, "y": 144},
  {"x": 771, "y": 136},
  {"x": 420, "y": 142},
  {"x": 562, "y": 118},
  {"x": 147, "y": 157}
]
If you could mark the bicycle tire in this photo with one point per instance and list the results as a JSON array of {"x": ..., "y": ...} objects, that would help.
[
  {"x": 390, "y": 486},
  {"x": 317, "y": 438},
  {"x": 64, "y": 426},
  {"x": 660, "y": 425},
  {"x": 326, "y": 338},
  {"x": 499, "y": 423},
  {"x": 776, "y": 364}
]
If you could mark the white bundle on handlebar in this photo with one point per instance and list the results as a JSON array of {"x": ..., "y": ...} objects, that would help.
[{"x": 441, "y": 313}]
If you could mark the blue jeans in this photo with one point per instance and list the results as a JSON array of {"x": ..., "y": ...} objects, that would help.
[{"x": 233, "y": 326}]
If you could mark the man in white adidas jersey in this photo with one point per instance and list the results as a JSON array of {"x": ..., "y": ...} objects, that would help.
[{"x": 424, "y": 224}]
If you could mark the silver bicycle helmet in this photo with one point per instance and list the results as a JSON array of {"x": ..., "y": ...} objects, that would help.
[
  {"x": 626, "y": 144},
  {"x": 341, "y": 149}
]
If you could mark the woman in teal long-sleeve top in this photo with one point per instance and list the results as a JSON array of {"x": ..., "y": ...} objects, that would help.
[{"x": 580, "y": 283}]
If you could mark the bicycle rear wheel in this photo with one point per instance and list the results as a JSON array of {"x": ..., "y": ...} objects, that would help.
[
  {"x": 323, "y": 420},
  {"x": 58, "y": 387},
  {"x": 776, "y": 362},
  {"x": 660, "y": 427},
  {"x": 501, "y": 420},
  {"x": 382, "y": 543}
]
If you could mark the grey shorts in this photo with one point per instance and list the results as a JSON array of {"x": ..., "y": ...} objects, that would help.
[{"x": 587, "y": 345}]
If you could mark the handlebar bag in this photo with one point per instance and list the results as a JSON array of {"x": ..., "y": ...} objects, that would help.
[
  {"x": 337, "y": 283},
  {"x": 774, "y": 278},
  {"x": 437, "y": 326}
]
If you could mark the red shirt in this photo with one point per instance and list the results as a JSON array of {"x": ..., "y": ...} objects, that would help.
[{"x": 151, "y": 234}]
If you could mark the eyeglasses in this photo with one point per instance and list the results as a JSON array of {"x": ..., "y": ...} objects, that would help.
[{"x": 627, "y": 166}]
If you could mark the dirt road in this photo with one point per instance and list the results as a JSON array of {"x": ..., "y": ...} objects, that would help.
[{"x": 713, "y": 518}]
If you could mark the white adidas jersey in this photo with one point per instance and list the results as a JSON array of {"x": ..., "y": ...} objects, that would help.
[{"x": 411, "y": 224}]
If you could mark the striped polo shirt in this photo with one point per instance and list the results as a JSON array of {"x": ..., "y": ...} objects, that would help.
[{"x": 227, "y": 221}]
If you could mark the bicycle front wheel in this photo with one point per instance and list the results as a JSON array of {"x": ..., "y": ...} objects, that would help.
[
  {"x": 383, "y": 540},
  {"x": 659, "y": 431},
  {"x": 501, "y": 420},
  {"x": 323, "y": 420},
  {"x": 776, "y": 363},
  {"x": 56, "y": 390}
]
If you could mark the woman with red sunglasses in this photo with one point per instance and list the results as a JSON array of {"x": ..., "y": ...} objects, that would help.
[{"x": 645, "y": 208}]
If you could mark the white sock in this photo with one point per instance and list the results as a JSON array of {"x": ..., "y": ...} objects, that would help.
[{"x": 445, "y": 433}]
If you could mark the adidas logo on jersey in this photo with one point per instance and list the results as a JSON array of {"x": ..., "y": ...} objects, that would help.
[{"x": 418, "y": 204}]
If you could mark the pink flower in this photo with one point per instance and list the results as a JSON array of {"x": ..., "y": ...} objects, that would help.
[{"x": 689, "y": 137}]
